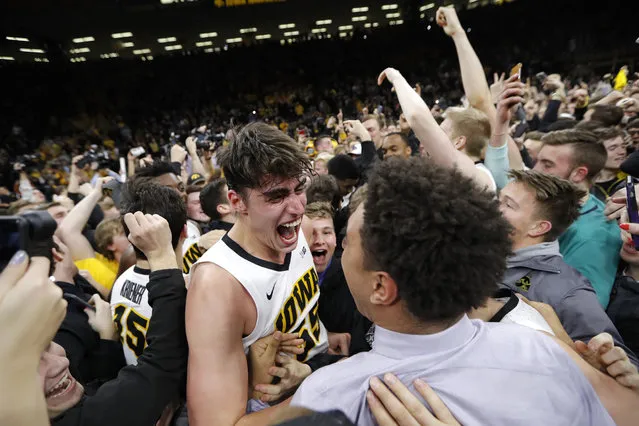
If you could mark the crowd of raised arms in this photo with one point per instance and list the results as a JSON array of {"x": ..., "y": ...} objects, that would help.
[{"x": 425, "y": 263}]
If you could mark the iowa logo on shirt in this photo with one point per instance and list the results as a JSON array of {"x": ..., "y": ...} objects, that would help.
[
  {"x": 523, "y": 283},
  {"x": 304, "y": 291}
]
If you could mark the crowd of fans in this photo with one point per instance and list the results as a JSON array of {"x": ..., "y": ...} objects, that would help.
[{"x": 376, "y": 254}]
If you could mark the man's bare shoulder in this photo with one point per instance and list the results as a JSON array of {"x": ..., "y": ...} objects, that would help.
[{"x": 214, "y": 288}]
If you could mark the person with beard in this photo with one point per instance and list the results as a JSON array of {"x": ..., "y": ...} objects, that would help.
[{"x": 591, "y": 244}]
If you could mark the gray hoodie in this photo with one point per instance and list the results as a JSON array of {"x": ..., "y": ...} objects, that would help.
[{"x": 540, "y": 274}]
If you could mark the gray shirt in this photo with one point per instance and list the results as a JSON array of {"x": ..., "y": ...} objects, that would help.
[{"x": 486, "y": 373}]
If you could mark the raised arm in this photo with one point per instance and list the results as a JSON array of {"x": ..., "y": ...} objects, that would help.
[
  {"x": 70, "y": 231},
  {"x": 196, "y": 163},
  {"x": 473, "y": 78},
  {"x": 477, "y": 90},
  {"x": 435, "y": 141}
]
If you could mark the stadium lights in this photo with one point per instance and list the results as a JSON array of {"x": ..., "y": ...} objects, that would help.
[
  {"x": 375, "y": 24},
  {"x": 167, "y": 40},
  {"x": 83, "y": 39},
  {"x": 209, "y": 50},
  {"x": 343, "y": 35},
  {"x": 122, "y": 35},
  {"x": 149, "y": 58},
  {"x": 286, "y": 26},
  {"x": 234, "y": 40},
  {"x": 324, "y": 22},
  {"x": 7, "y": 58},
  {"x": 79, "y": 50},
  {"x": 141, "y": 51},
  {"x": 262, "y": 37},
  {"x": 345, "y": 27},
  {"x": 360, "y": 9},
  {"x": 78, "y": 59},
  {"x": 248, "y": 30},
  {"x": 426, "y": 7},
  {"x": 208, "y": 35},
  {"x": 291, "y": 33},
  {"x": 128, "y": 44},
  {"x": 109, "y": 55},
  {"x": 393, "y": 15},
  {"x": 389, "y": 6},
  {"x": 203, "y": 43},
  {"x": 31, "y": 50},
  {"x": 398, "y": 22},
  {"x": 472, "y": 1},
  {"x": 318, "y": 30},
  {"x": 40, "y": 59},
  {"x": 17, "y": 39},
  {"x": 173, "y": 47},
  {"x": 359, "y": 18}
]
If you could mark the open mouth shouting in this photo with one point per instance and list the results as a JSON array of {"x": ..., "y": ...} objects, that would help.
[
  {"x": 288, "y": 231},
  {"x": 320, "y": 257},
  {"x": 63, "y": 387}
]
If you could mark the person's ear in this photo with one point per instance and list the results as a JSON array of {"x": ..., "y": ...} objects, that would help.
[
  {"x": 384, "y": 288},
  {"x": 460, "y": 143},
  {"x": 237, "y": 202},
  {"x": 540, "y": 228},
  {"x": 408, "y": 151},
  {"x": 223, "y": 209},
  {"x": 578, "y": 174}
]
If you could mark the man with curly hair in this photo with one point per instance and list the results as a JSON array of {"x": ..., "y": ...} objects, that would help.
[{"x": 427, "y": 246}]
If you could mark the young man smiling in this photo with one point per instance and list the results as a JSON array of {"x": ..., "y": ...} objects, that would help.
[{"x": 258, "y": 279}]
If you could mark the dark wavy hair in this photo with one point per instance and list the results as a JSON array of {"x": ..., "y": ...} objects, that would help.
[
  {"x": 439, "y": 236},
  {"x": 259, "y": 155},
  {"x": 151, "y": 198}
]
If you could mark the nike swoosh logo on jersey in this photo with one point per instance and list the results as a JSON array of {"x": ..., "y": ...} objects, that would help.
[{"x": 269, "y": 295}]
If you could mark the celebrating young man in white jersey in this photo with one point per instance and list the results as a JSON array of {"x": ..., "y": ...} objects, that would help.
[
  {"x": 258, "y": 279},
  {"x": 129, "y": 297}
]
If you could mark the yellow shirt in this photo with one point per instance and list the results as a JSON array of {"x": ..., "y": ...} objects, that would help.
[{"x": 103, "y": 270}]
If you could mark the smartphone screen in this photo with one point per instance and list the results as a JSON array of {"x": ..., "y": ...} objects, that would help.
[
  {"x": 631, "y": 204},
  {"x": 13, "y": 235}
]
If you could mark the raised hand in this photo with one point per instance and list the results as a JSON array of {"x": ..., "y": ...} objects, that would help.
[
  {"x": 355, "y": 127},
  {"x": 150, "y": 234},
  {"x": 391, "y": 74},
  {"x": 31, "y": 307},
  {"x": 497, "y": 87},
  {"x": 448, "y": 20},
  {"x": 511, "y": 96}
]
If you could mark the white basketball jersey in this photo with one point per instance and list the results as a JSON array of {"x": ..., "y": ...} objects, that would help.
[
  {"x": 286, "y": 296},
  {"x": 131, "y": 311}
]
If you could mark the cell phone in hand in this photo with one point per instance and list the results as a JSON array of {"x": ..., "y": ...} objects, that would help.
[
  {"x": 631, "y": 204},
  {"x": 516, "y": 70},
  {"x": 79, "y": 300}
]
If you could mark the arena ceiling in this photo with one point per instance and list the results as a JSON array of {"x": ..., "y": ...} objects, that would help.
[{"x": 79, "y": 30}]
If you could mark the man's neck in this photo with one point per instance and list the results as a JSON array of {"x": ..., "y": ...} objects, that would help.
[
  {"x": 633, "y": 271},
  {"x": 526, "y": 242},
  {"x": 606, "y": 175},
  {"x": 229, "y": 218},
  {"x": 143, "y": 264},
  {"x": 406, "y": 324},
  {"x": 246, "y": 239}
]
